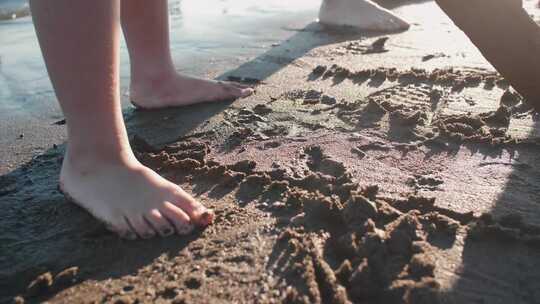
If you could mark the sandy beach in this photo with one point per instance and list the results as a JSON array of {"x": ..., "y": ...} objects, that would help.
[{"x": 366, "y": 168}]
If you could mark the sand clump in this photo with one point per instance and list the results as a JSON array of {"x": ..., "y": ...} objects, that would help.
[
  {"x": 310, "y": 97},
  {"x": 508, "y": 228},
  {"x": 47, "y": 283},
  {"x": 376, "y": 47},
  {"x": 40, "y": 285},
  {"x": 488, "y": 127},
  {"x": 262, "y": 109},
  {"x": 453, "y": 78},
  {"x": 377, "y": 264}
]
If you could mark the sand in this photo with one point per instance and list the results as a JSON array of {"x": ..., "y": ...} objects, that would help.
[{"x": 346, "y": 178}]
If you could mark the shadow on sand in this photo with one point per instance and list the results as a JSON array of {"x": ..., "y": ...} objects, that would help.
[{"x": 496, "y": 269}]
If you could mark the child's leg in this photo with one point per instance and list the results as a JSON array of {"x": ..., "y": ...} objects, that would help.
[
  {"x": 80, "y": 42},
  {"x": 506, "y": 35},
  {"x": 154, "y": 80}
]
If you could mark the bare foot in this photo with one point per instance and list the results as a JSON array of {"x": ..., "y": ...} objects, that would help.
[
  {"x": 130, "y": 198},
  {"x": 361, "y": 14},
  {"x": 174, "y": 90}
]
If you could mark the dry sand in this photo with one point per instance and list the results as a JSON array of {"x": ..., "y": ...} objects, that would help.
[{"x": 355, "y": 174}]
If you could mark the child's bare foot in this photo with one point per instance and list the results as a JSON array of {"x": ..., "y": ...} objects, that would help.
[
  {"x": 130, "y": 198},
  {"x": 171, "y": 89},
  {"x": 361, "y": 14}
]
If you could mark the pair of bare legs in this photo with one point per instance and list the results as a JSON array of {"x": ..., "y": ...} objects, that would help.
[{"x": 80, "y": 43}]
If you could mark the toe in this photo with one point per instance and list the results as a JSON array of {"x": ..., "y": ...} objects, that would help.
[
  {"x": 247, "y": 92},
  {"x": 178, "y": 218},
  {"x": 160, "y": 224},
  {"x": 238, "y": 85},
  {"x": 236, "y": 90},
  {"x": 122, "y": 229},
  {"x": 141, "y": 227},
  {"x": 199, "y": 214}
]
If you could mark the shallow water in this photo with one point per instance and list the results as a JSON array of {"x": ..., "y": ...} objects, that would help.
[{"x": 205, "y": 40}]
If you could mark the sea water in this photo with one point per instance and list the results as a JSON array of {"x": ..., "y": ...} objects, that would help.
[
  {"x": 11, "y": 9},
  {"x": 207, "y": 38}
]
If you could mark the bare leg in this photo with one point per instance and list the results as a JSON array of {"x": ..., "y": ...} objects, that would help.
[
  {"x": 506, "y": 35},
  {"x": 154, "y": 80},
  {"x": 80, "y": 43}
]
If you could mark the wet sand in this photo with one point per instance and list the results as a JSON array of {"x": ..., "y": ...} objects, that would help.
[{"x": 402, "y": 174}]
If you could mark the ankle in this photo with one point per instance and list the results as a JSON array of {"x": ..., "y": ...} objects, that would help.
[
  {"x": 88, "y": 159},
  {"x": 151, "y": 75}
]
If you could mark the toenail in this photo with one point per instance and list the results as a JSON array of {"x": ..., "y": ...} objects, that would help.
[
  {"x": 185, "y": 229},
  {"x": 167, "y": 231},
  {"x": 207, "y": 217}
]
